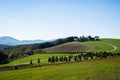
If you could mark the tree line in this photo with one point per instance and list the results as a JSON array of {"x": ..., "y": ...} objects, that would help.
[{"x": 82, "y": 56}]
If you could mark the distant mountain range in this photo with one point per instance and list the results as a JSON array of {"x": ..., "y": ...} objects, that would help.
[{"x": 6, "y": 40}]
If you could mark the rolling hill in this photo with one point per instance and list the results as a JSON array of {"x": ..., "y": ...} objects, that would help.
[
  {"x": 68, "y": 47},
  {"x": 88, "y": 46},
  {"x": 98, "y": 69}
]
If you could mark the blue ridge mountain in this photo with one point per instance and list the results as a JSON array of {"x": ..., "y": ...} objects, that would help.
[{"x": 6, "y": 40}]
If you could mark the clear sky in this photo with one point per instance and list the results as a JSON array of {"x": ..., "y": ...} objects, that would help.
[{"x": 51, "y": 19}]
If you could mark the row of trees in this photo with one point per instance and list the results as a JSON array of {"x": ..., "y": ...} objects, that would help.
[{"x": 82, "y": 56}]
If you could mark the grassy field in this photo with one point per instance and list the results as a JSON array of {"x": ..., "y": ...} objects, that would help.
[
  {"x": 89, "y": 70},
  {"x": 102, "y": 69},
  {"x": 94, "y": 46},
  {"x": 34, "y": 58}
]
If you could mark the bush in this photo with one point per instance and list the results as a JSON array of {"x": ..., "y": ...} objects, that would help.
[{"x": 3, "y": 58}]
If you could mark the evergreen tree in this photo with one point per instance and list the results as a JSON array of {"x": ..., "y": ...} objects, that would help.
[
  {"x": 53, "y": 59},
  {"x": 38, "y": 61},
  {"x": 56, "y": 59},
  {"x": 31, "y": 62},
  {"x": 65, "y": 58},
  {"x": 75, "y": 58},
  {"x": 69, "y": 57},
  {"x": 49, "y": 59}
]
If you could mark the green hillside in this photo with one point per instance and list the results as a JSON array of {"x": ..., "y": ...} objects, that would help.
[
  {"x": 88, "y": 46},
  {"x": 69, "y": 47},
  {"x": 26, "y": 60},
  {"x": 93, "y": 46},
  {"x": 105, "y": 69},
  {"x": 115, "y": 42},
  {"x": 97, "y": 69}
]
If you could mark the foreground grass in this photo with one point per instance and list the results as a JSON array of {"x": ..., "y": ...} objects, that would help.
[{"x": 88, "y": 70}]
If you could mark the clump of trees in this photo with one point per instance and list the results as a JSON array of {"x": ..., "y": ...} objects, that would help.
[
  {"x": 87, "y": 38},
  {"x": 60, "y": 59}
]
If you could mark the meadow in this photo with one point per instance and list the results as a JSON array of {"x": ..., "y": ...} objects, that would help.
[
  {"x": 94, "y": 46},
  {"x": 97, "y": 69},
  {"x": 87, "y": 70}
]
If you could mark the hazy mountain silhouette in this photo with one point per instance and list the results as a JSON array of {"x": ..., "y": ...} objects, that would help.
[{"x": 6, "y": 40}]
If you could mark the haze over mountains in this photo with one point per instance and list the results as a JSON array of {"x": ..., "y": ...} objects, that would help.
[{"x": 6, "y": 40}]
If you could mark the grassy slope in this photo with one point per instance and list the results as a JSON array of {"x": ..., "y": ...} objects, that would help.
[
  {"x": 94, "y": 46},
  {"x": 106, "y": 69},
  {"x": 97, "y": 46},
  {"x": 88, "y": 70},
  {"x": 43, "y": 58},
  {"x": 68, "y": 47},
  {"x": 115, "y": 42}
]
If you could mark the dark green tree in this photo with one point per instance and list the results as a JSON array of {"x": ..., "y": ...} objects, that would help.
[
  {"x": 70, "y": 57},
  {"x": 38, "y": 60},
  {"x": 49, "y": 59},
  {"x": 65, "y": 58},
  {"x": 53, "y": 59},
  {"x": 31, "y": 62},
  {"x": 56, "y": 59},
  {"x": 75, "y": 58}
]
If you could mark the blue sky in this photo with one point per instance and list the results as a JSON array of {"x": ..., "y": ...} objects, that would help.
[{"x": 51, "y": 19}]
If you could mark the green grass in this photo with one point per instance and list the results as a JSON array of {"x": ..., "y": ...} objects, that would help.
[
  {"x": 34, "y": 58},
  {"x": 115, "y": 42},
  {"x": 106, "y": 69},
  {"x": 97, "y": 46},
  {"x": 100, "y": 46}
]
